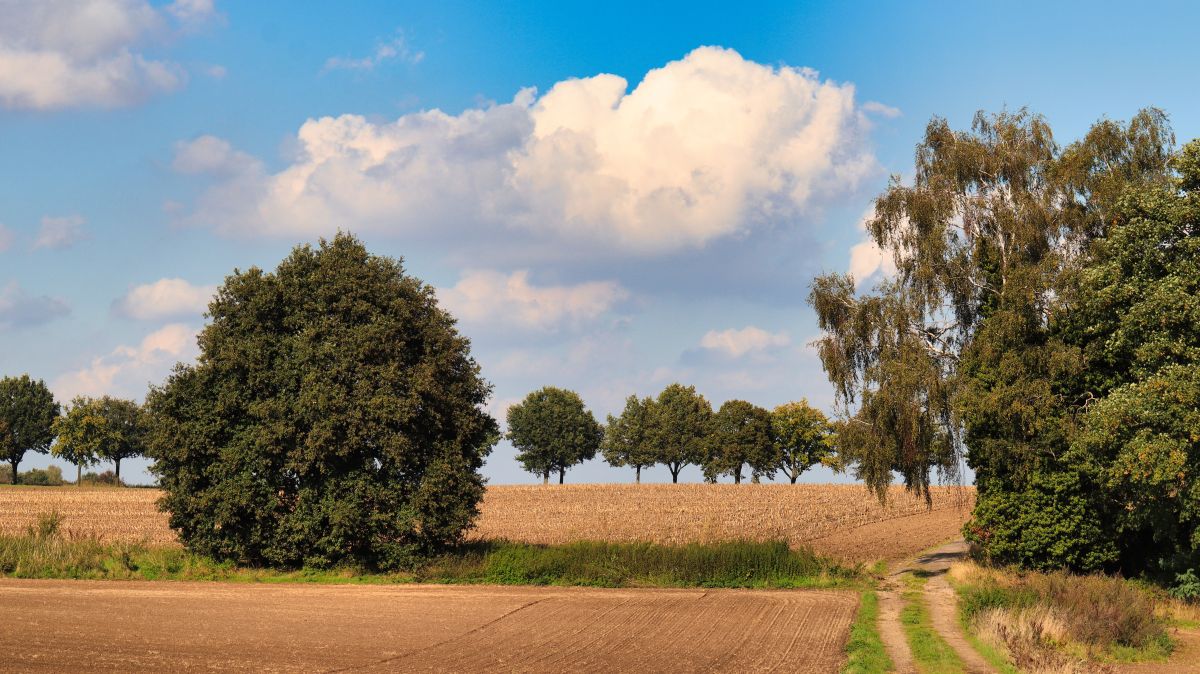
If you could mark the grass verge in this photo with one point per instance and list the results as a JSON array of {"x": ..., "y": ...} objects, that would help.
[
  {"x": 931, "y": 654},
  {"x": 42, "y": 553},
  {"x": 864, "y": 650}
]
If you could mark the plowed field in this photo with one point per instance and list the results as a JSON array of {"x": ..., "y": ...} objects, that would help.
[{"x": 80, "y": 626}]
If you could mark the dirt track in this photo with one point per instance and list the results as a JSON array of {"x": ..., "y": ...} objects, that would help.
[{"x": 141, "y": 626}]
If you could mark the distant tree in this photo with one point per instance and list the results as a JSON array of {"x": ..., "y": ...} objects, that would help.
[
  {"x": 679, "y": 428},
  {"x": 79, "y": 432},
  {"x": 27, "y": 414},
  {"x": 95, "y": 429},
  {"x": 803, "y": 437},
  {"x": 627, "y": 439},
  {"x": 553, "y": 431},
  {"x": 334, "y": 415},
  {"x": 740, "y": 435}
]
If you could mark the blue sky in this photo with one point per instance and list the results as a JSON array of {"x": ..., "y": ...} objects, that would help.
[{"x": 604, "y": 235}]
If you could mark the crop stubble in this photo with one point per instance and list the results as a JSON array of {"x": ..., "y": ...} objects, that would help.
[{"x": 844, "y": 521}]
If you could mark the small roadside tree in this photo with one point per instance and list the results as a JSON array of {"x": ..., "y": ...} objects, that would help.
[
  {"x": 679, "y": 428},
  {"x": 740, "y": 435},
  {"x": 96, "y": 429},
  {"x": 627, "y": 437},
  {"x": 27, "y": 414},
  {"x": 803, "y": 437},
  {"x": 334, "y": 415},
  {"x": 79, "y": 433},
  {"x": 552, "y": 431}
]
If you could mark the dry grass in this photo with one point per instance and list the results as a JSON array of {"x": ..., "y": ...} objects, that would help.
[
  {"x": 672, "y": 514},
  {"x": 1057, "y": 622}
]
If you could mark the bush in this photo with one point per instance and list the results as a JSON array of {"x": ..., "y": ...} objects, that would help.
[
  {"x": 5, "y": 474},
  {"x": 51, "y": 476},
  {"x": 107, "y": 478},
  {"x": 335, "y": 416},
  {"x": 1187, "y": 586}
]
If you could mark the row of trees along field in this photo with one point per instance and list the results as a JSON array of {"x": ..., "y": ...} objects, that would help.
[
  {"x": 88, "y": 431},
  {"x": 552, "y": 431},
  {"x": 1045, "y": 320}
]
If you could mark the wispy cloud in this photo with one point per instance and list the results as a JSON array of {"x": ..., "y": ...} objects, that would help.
[
  {"x": 395, "y": 49},
  {"x": 19, "y": 309},
  {"x": 58, "y": 233}
]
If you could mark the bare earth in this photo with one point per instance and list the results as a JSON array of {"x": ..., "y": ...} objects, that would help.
[{"x": 85, "y": 626}]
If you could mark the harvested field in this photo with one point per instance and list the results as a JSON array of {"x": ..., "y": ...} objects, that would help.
[
  {"x": 85, "y": 626},
  {"x": 843, "y": 521},
  {"x": 840, "y": 520},
  {"x": 108, "y": 513}
]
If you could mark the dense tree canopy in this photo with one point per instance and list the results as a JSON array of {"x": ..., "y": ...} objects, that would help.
[
  {"x": 334, "y": 414},
  {"x": 627, "y": 437},
  {"x": 984, "y": 338},
  {"x": 27, "y": 414},
  {"x": 802, "y": 437},
  {"x": 552, "y": 431},
  {"x": 680, "y": 423},
  {"x": 740, "y": 435}
]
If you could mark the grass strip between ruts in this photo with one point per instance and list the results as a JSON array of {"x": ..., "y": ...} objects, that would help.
[
  {"x": 931, "y": 654},
  {"x": 865, "y": 653}
]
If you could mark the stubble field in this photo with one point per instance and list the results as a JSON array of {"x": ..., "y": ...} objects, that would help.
[{"x": 842, "y": 521}]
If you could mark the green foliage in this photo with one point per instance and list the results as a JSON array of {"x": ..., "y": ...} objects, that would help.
[
  {"x": 1033, "y": 283},
  {"x": 740, "y": 435},
  {"x": 680, "y": 424},
  {"x": 95, "y": 429},
  {"x": 865, "y": 653},
  {"x": 27, "y": 413},
  {"x": 552, "y": 431},
  {"x": 51, "y": 476},
  {"x": 627, "y": 437},
  {"x": 334, "y": 416},
  {"x": 1187, "y": 586},
  {"x": 803, "y": 437}
]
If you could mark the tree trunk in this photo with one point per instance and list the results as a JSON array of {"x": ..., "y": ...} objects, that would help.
[
  {"x": 638, "y": 478},
  {"x": 79, "y": 475},
  {"x": 14, "y": 470},
  {"x": 737, "y": 476},
  {"x": 562, "y": 472},
  {"x": 546, "y": 477},
  {"x": 675, "y": 473},
  {"x": 793, "y": 477},
  {"x": 117, "y": 462}
]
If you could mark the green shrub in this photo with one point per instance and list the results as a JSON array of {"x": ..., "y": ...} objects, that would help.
[
  {"x": 1187, "y": 586},
  {"x": 335, "y": 417},
  {"x": 51, "y": 476}
]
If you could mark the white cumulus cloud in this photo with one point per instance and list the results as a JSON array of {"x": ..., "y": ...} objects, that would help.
[
  {"x": 19, "y": 309},
  {"x": 867, "y": 259},
  {"x": 165, "y": 298},
  {"x": 128, "y": 369},
  {"x": 58, "y": 233},
  {"x": 68, "y": 53},
  {"x": 750, "y": 339},
  {"x": 709, "y": 146},
  {"x": 510, "y": 300}
]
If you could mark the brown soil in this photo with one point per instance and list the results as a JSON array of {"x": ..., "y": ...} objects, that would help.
[
  {"x": 895, "y": 539},
  {"x": 83, "y": 626}
]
